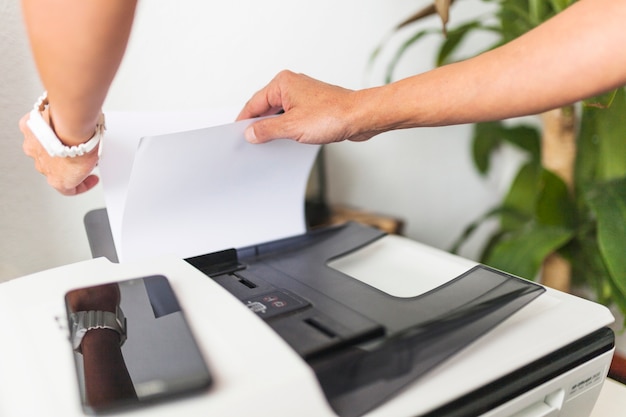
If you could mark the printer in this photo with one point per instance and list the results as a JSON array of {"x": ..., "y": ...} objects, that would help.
[
  {"x": 342, "y": 321},
  {"x": 384, "y": 320}
]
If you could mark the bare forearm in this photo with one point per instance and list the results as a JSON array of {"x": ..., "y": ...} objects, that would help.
[
  {"x": 107, "y": 379},
  {"x": 77, "y": 46},
  {"x": 576, "y": 55}
]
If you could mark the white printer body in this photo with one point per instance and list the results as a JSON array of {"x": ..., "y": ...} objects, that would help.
[{"x": 548, "y": 358}]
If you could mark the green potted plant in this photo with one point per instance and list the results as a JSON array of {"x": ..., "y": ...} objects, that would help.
[{"x": 564, "y": 215}]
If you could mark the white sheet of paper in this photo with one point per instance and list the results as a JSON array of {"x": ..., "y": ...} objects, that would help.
[{"x": 198, "y": 191}]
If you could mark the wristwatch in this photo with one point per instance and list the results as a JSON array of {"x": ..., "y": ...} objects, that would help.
[
  {"x": 84, "y": 321},
  {"x": 50, "y": 141}
]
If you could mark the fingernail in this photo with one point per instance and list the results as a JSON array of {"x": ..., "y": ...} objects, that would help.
[{"x": 250, "y": 135}]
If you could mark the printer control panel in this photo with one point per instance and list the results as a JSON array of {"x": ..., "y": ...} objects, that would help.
[
  {"x": 313, "y": 323},
  {"x": 275, "y": 303},
  {"x": 313, "y": 326}
]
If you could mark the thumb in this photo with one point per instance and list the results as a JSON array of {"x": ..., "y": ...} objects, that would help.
[{"x": 265, "y": 130}]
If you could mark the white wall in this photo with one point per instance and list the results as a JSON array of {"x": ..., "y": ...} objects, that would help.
[{"x": 196, "y": 54}]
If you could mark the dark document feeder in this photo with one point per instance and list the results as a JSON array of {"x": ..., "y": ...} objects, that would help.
[{"x": 363, "y": 344}]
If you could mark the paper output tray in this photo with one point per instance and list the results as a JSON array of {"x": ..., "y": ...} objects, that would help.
[{"x": 363, "y": 344}]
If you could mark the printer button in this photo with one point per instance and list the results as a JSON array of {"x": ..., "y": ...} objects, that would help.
[{"x": 275, "y": 303}]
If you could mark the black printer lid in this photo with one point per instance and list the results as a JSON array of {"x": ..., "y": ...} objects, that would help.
[{"x": 363, "y": 344}]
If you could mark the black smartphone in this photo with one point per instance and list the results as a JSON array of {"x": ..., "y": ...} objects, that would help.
[{"x": 132, "y": 345}]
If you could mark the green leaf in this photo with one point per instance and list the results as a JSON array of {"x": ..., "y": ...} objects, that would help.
[
  {"x": 522, "y": 196},
  {"x": 618, "y": 298},
  {"x": 486, "y": 139},
  {"x": 524, "y": 137},
  {"x": 514, "y": 19},
  {"x": 469, "y": 230},
  {"x": 602, "y": 142},
  {"x": 608, "y": 202},
  {"x": 492, "y": 242},
  {"x": 537, "y": 11},
  {"x": 402, "y": 49},
  {"x": 610, "y": 123},
  {"x": 588, "y": 267},
  {"x": 454, "y": 39},
  {"x": 588, "y": 150},
  {"x": 522, "y": 253},
  {"x": 488, "y": 136},
  {"x": 560, "y": 5},
  {"x": 555, "y": 206}
]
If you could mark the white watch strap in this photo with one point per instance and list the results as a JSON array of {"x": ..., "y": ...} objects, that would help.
[{"x": 49, "y": 140}]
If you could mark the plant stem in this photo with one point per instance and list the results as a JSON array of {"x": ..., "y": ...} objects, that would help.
[
  {"x": 558, "y": 144},
  {"x": 558, "y": 154}
]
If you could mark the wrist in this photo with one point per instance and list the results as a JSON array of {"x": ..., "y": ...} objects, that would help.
[
  {"x": 71, "y": 133},
  {"x": 394, "y": 116},
  {"x": 105, "y": 339},
  {"x": 371, "y": 114},
  {"x": 84, "y": 322},
  {"x": 42, "y": 126}
]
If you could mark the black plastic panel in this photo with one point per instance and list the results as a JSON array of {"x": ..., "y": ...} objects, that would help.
[{"x": 364, "y": 344}]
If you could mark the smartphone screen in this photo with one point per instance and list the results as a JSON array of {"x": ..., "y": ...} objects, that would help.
[{"x": 156, "y": 358}]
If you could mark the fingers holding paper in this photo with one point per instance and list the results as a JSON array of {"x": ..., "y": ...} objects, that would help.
[
  {"x": 314, "y": 112},
  {"x": 69, "y": 176}
]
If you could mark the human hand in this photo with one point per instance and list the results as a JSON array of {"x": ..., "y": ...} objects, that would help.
[
  {"x": 69, "y": 176},
  {"x": 314, "y": 112}
]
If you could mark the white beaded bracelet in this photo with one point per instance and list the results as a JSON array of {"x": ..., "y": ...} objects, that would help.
[{"x": 50, "y": 141}]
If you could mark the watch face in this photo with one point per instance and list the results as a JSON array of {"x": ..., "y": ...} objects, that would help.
[{"x": 159, "y": 357}]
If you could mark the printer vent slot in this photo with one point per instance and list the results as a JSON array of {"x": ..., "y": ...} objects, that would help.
[
  {"x": 247, "y": 283},
  {"x": 311, "y": 321}
]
